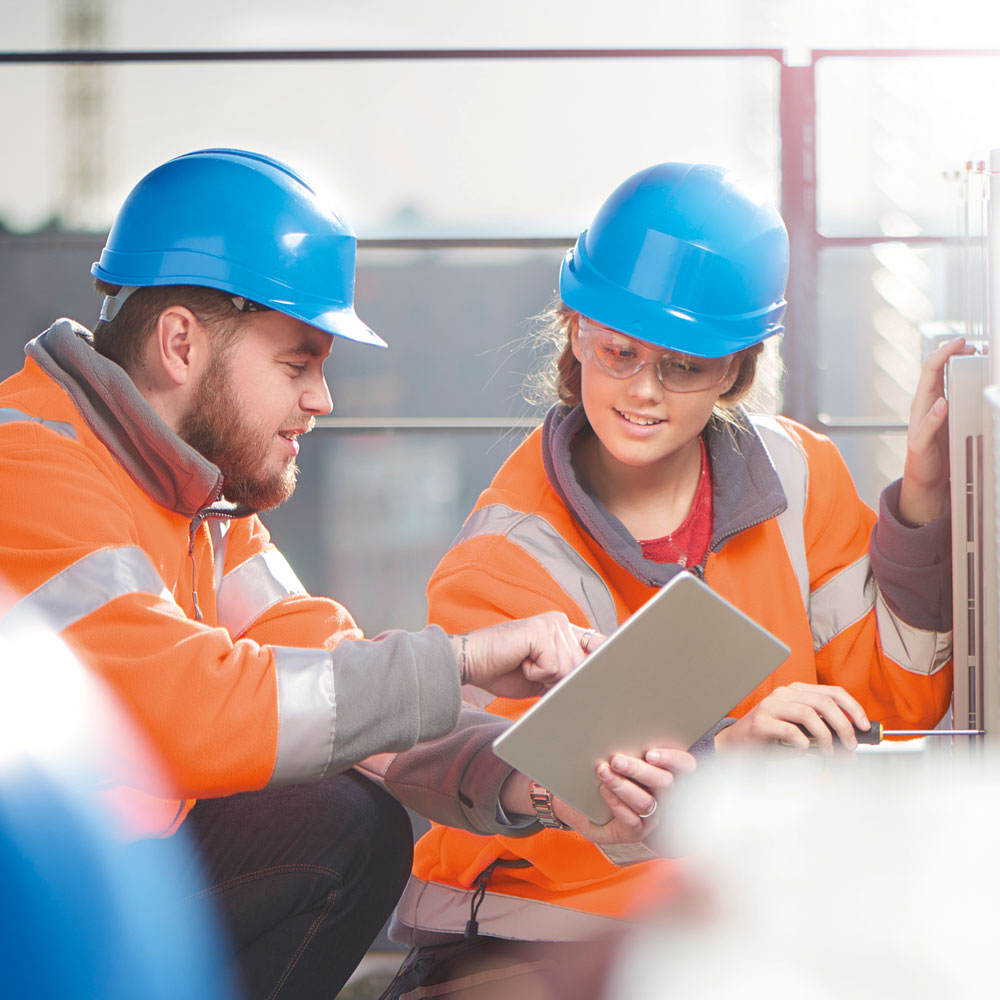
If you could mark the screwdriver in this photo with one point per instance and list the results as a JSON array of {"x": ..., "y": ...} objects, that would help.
[{"x": 875, "y": 735}]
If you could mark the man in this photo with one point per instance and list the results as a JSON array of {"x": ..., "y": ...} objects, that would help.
[{"x": 133, "y": 461}]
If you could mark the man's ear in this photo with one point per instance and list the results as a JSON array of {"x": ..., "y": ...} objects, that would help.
[{"x": 180, "y": 344}]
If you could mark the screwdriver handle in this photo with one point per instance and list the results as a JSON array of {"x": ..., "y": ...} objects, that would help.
[{"x": 870, "y": 737}]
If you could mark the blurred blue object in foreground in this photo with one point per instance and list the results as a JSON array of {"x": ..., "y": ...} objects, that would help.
[{"x": 86, "y": 914}]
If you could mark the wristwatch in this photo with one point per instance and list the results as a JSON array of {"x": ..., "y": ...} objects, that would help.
[{"x": 541, "y": 802}]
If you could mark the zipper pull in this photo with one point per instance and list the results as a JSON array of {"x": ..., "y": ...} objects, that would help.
[{"x": 192, "y": 533}]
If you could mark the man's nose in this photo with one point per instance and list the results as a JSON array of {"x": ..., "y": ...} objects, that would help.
[{"x": 317, "y": 399}]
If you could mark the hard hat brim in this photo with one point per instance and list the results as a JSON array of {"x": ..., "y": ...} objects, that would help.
[
  {"x": 131, "y": 270},
  {"x": 346, "y": 324}
]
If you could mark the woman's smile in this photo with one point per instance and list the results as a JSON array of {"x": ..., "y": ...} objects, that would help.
[{"x": 638, "y": 419}]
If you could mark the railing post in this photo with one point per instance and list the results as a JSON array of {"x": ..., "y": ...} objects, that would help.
[{"x": 800, "y": 347}]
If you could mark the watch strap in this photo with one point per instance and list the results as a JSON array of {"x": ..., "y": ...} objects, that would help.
[{"x": 541, "y": 802}]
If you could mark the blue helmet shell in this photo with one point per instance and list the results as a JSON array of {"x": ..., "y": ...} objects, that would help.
[
  {"x": 683, "y": 256},
  {"x": 244, "y": 223}
]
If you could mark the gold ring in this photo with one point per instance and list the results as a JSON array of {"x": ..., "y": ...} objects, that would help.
[{"x": 651, "y": 811}]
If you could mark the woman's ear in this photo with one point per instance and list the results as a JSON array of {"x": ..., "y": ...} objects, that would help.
[
  {"x": 740, "y": 359},
  {"x": 574, "y": 337},
  {"x": 733, "y": 374}
]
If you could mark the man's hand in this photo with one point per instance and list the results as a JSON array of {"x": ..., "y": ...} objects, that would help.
[
  {"x": 822, "y": 709},
  {"x": 631, "y": 786},
  {"x": 520, "y": 659}
]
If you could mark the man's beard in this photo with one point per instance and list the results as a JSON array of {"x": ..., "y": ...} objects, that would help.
[{"x": 215, "y": 427}]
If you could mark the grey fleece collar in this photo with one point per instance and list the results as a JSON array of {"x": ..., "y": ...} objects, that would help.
[
  {"x": 745, "y": 489},
  {"x": 170, "y": 471}
]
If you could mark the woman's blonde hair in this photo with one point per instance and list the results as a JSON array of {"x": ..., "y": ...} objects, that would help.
[{"x": 557, "y": 376}]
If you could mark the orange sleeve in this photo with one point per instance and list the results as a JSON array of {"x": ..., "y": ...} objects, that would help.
[
  {"x": 851, "y": 651},
  {"x": 488, "y": 579}
]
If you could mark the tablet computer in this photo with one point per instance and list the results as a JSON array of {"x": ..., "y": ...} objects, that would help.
[{"x": 663, "y": 678}]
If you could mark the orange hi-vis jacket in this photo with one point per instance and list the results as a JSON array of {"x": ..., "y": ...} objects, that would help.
[
  {"x": 114, "y": 534},
  {"x": 862, "y": 605}
]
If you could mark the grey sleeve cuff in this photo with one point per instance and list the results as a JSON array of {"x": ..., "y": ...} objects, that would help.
[
  {"x": 704, "y": 747},
  {"x": 912, "y": 565},
  {"x": 456, "y": 780},
  {"x": 627, "y": 854},
  {"x": 363, "y": 698}
]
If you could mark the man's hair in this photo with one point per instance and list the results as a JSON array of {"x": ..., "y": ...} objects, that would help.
[{"x": 123, "y": 339}]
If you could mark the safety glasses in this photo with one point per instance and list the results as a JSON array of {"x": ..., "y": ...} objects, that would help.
[{"x": 620, "y": 356}]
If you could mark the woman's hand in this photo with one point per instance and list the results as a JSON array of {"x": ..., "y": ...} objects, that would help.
[
  {"x": 631, "y": 786},
  {"x": 821, "y": 709},
  {"x": 924, "y": 492}
]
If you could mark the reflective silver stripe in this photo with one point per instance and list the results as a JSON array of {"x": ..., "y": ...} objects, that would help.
[
  {"x": 253, "y": 587},
  {"x": 431, "y": 906},
  {"x": 793, "y": 471},
  {"x": 915, "y": 650},
  {"x": 842, "y": 601},
  {"x": 543, "y": 543},
  {"x": 9, "y": 416},
  {"x": 89, "y": 584},
  {"x": 307, "y": 714},
  {"x": 848, "y": 597}
]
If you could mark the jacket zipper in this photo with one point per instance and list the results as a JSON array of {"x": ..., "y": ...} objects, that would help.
[
  {"x": 716, "y": 546},
  {"x": 196, "y": 522}
]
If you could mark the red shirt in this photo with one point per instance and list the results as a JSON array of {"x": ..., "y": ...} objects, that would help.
[{"x": 687, "y": 544}]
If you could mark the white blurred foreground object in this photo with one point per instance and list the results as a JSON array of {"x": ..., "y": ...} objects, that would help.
[
  {"x": 85, "y": 914},
  {"x": 826, "y": 879}
]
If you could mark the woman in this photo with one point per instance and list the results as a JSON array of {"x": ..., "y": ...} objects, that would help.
[{"x": 649, "y": 465}]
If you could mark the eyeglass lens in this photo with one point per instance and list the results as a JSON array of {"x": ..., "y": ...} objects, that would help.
[{"x": 622, "y": 357}]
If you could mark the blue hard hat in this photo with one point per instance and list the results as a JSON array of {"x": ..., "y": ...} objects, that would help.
[
  {"x": 244, "y": 223},
  {"x": 684, "y": 256}
]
